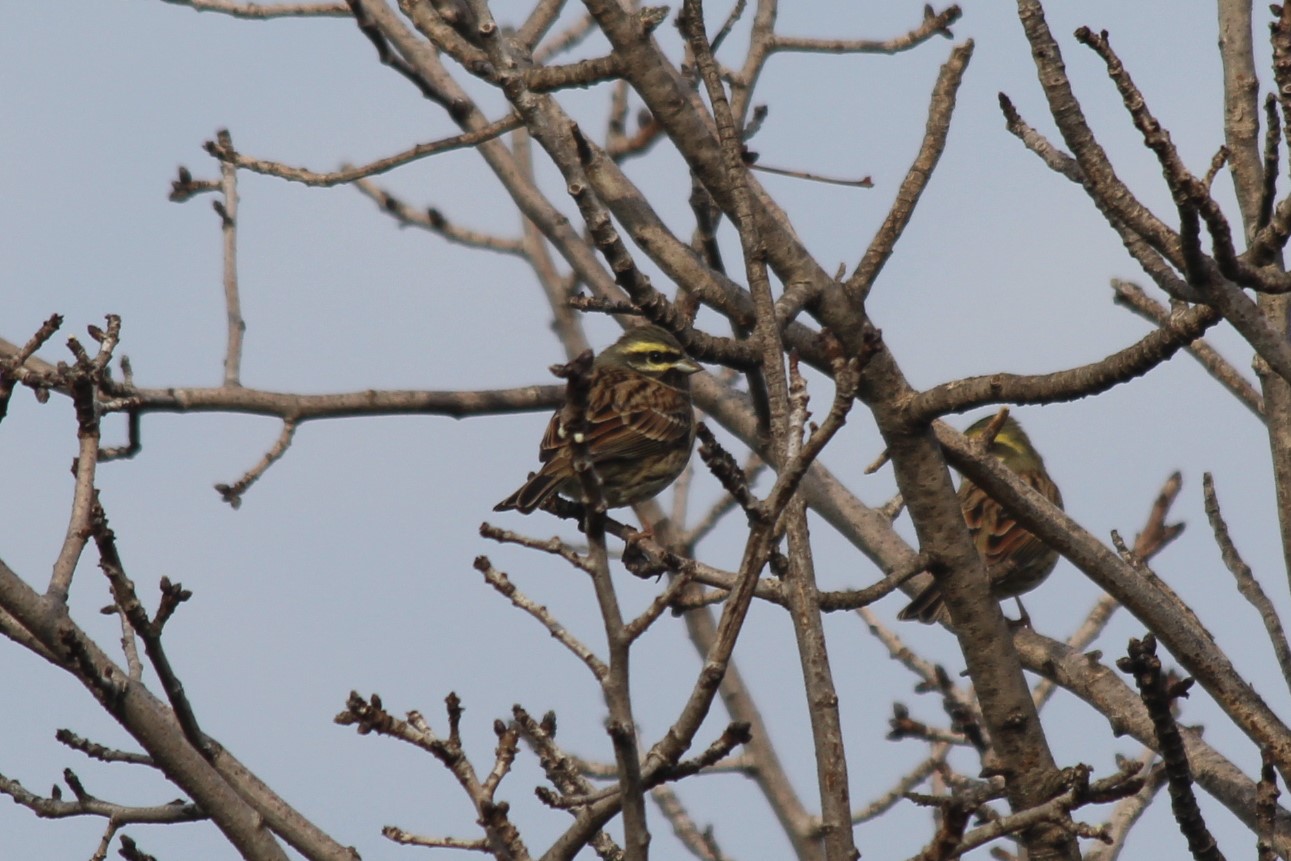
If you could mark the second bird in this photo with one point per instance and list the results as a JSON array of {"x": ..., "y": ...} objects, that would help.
[{"x": 1016, "y": 561}]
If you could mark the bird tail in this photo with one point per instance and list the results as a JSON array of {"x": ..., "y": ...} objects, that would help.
[
  {"x": 531, "y": 494},
  {"x": 927, "y": 606}
]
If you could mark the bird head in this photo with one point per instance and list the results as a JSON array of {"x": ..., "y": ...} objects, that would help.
[
  {"x": 1010, "y": 445},
  {"x": 651, "y": 351}
]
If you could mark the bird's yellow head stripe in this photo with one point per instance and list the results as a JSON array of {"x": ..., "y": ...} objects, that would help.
[
  {"x": 1010, "y": 444},
  {"x": 654, "y": 355},
  {"x": 1012, "y": 441}
]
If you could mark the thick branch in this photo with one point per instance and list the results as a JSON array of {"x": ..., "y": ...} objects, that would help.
[{"x": 1135, "y": 360}]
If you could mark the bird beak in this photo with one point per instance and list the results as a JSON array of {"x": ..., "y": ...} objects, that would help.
[{"x": 687, "y": 366}]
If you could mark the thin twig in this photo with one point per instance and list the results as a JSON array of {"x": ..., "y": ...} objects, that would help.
[
  {"x": 863, "y": 182},
  {"x": 263, "y": 11},
  {"x": 499, "y": 581},
  {"x": 436, "y": 222},
  {"x": 224, "y": 151},
  {"x": 933, "y": 24},
  {"x": 701, "y": 844},
  {"x": 1266, "y": 808},
  {"x": 1247, "y": 584},
  {"x": 407, "y": 838},
  {"x": 907, "y": 782},
  {"x": 227, "y": 207},
  {"x": 1158, "y": 696},
  {"x": 84, "y": 380},
  {"x": 87, "y": 805},
  {"x": 940, "y": 109},
  {"x": 554, "y": 545},
  {"x": 149, "y": 631},
  {"x": 99, "y": 752},
  {"x": 232, "y": 493},
  {"x": 1134, "y": 298},
  {"x": 661, "y": 602},
  {"x": 563, "y": 41},
  {"x": 1128, "y": 811}
]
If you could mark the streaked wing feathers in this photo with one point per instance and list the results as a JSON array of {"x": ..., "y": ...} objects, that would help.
[
  {"x": 1000, "y": 539},
  {"x": 628, "y": 418}
]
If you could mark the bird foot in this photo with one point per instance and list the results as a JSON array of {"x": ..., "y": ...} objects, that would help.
[
  {"x": 636, "y": 558},
  {"x": 1022, "y": 621}
]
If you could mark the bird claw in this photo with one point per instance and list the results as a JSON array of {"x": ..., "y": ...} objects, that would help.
[
  {"x": 638, "y": 560},
  {"x": 1023, "y": 620}
]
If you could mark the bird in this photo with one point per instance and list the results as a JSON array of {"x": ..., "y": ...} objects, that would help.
[
  {"x": 1016, "y": 561},
  {"x": 641, "y": 425}
]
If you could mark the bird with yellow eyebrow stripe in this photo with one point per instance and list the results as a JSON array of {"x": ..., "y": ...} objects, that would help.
[
  {"x": 642, "y": 425},
  {"x": 1016, "y": 561}
]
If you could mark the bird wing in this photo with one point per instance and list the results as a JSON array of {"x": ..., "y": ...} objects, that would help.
[
  {"x": 628, "y": 416},
  {"x": 998, "y": 536}
]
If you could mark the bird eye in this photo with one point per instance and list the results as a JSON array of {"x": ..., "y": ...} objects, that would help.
[{"x": 656, "y": 357}]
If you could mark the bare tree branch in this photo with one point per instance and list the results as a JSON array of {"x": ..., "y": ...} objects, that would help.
[{"x": 1246, "y": 582}]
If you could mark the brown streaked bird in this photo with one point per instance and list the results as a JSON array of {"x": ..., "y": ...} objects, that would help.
[
  {"x": 1016, "y": 561},
  {"x": 642, "y": 425}
]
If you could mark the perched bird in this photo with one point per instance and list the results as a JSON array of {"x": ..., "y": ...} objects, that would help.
[
  {"x": 642, "y": 426},
  {"x": 1016, "y": 561}
]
